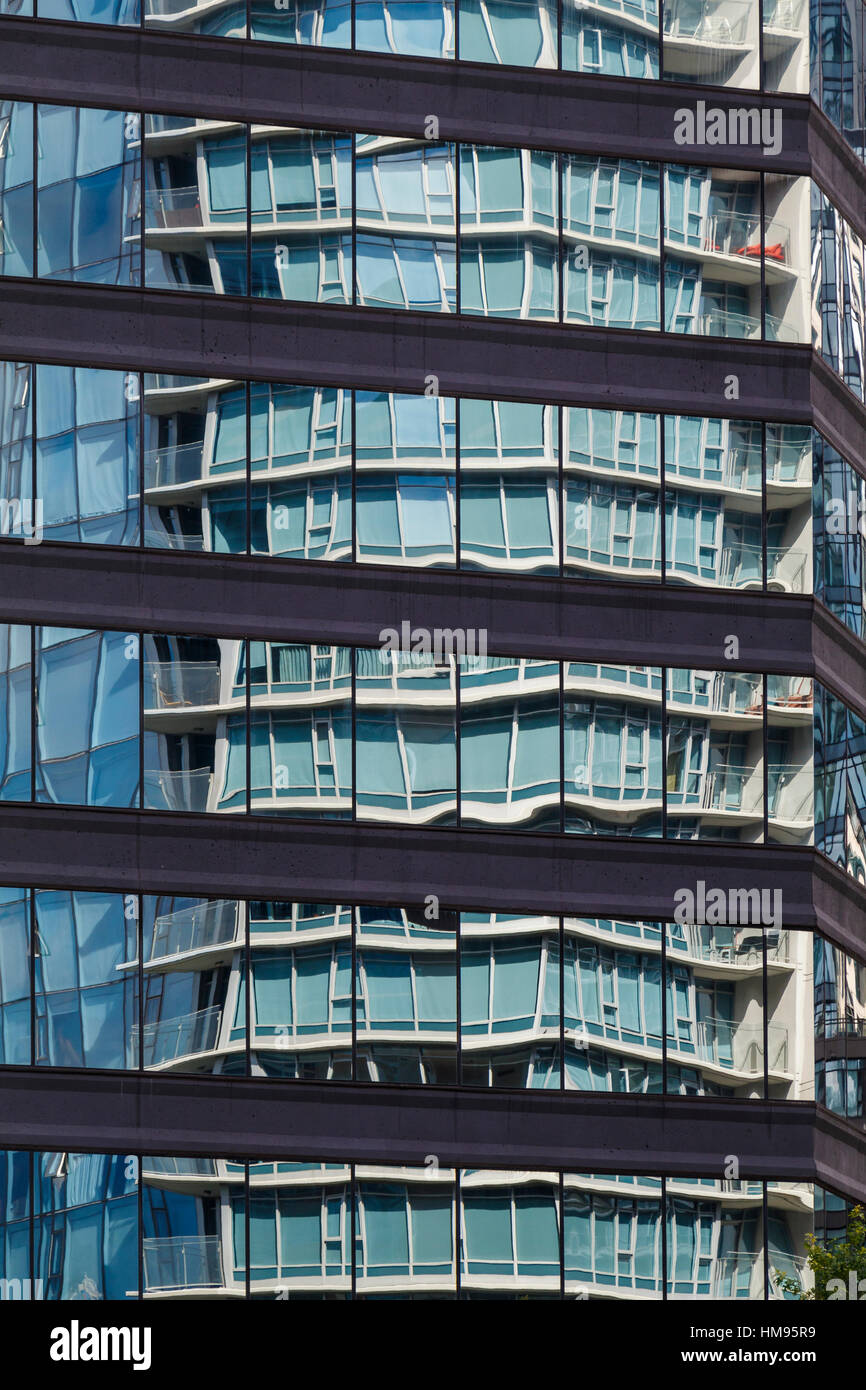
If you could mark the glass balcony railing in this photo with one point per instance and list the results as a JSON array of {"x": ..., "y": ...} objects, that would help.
[
  {"x": 786, "y": 801},
  {"x": 178, "y": 791},
  {"x": 173, "y": 207},
  {"x": 180, "y": 684},
  {"x": 734, "y": 1046},
  {"x": 178, "y": 463},
  {"x": 733, "y": 789},
  {"x": 182, "y": 1262},
  {"x": 169, "y": 1039},
  {"x": 787, "y": 15},
  {"x": 194, "y": 929},
  {"x": 707, "y": 21}
]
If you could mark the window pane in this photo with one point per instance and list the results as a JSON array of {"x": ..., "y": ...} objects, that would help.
[
  {"x": 194, "y": 724},
  {"x": 196, "y": 205},
  {"x": 89, "y": 202}
]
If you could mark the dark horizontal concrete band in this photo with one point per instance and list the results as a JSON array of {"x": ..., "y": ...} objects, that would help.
[
  {"x": 480, "y": 870},
  {"x": 188, "y": 74},
  {"x": 383, "y": 350},
  {"x": 217, "y": 1117},
  {"x": 309, "y": 601},
  {"x": 339, "y": 90}
]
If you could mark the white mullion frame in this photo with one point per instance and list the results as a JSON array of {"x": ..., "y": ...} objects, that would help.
[
  {"x": 413, "y": 989},
  {"x": 503, "y": 513},
  {"x": 403, "y": 753},
  {"x": 488, "y": 27},
  {"x": 512, "y": 753}
]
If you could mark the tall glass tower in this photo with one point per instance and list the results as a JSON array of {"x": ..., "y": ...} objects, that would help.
[{"x": 432, "y": 647}]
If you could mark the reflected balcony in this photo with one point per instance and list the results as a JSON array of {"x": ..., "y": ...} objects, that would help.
[
  {"x": 175, "y": 1264},
  {"x": 171, "y": 685},
  {"x": 786, "y": 800},
  {"x": 167, "y": 208},
  {"x": 787, "y": 16},
  {"x": 736, "y": 789},
  {"x": 178, "y": 791},
  {"x": 195, "y": 929},
  {"x": 714, "y": 23},
  {"x": 175, "y": 465},
  {"x": 170, "y": 1039},
  {"x": 734, "y": 1046}
]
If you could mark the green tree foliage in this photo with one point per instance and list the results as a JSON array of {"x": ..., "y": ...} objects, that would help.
[{"x": 832, "y": 1264}]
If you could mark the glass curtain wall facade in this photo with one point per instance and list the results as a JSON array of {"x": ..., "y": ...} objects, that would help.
[{"x": 646, "y": 505}]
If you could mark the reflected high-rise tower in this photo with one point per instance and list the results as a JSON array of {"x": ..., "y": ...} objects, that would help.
[{"x": 432, "y": 621}]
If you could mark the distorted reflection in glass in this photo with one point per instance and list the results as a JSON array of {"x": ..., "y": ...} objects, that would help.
[
  {"x": 785, "y": 45},
  {"x": 713, "y": 502},
  {"x": 301, "y": 990},
  {"x": 16, "y": 188},
  {"x": 15, "y": 1204},
  {"x": 225, "y": 19},
  {"x": 509, "y": 1229},
  {"x": 610, "y": 228},
  {"x": 790, "y": 761},
  {"x": 405, "y": 1239},
  {"x": 715, "y": 1005},
  {"x": 831, "y": 775},
  {"x": 838, "y": 311},
  {"x": 195, "y": 173},
  {"x": 509, "y": 1001},
  {"x": 509, "y": 243},
  {"x": 839, "y": 525},
  {"x": 509, "y": 742},
  {"x": 15, "y": 712},
  {"x": 612, "y": 1234},
  {"x": 195, "y": 463},
  {"x": 789, "y": 508},
  {"x": 89, "y": 200},
  {"x": 712, "y": 41},
  {"x": 301, "y": 190},
  {"x": 715, "y": 1238},
  {"x": 194, "y": 985},
  {"x": 617, "y": 37},
  {"x": 14, "y": 980},
  {"x": 301, "y": 461},
  {"x": 405, "y": 218},
  {"x": 509, "y": 485},
  {"x": 85, "y": 1226},
  {"x": 793, "y": 1213},
  {"x": 424, "y": 28},
  {"x": 323, "y": 23},
  {"x": 92, "y": 11},
  {"x": 613, "y": 1005},
  {"x": 87, "y": 725},
  {"x": 787, "y": 253},
  {"x": 301, "y": 730},
  {"x": 193, "y": 1227},
  {"x": 713, "y": 252},
  {"x": 405, "y": 733},
  {"x": 300, "y": 1230},
  {"x": 611, "y": 482},
  {"x": 790, "y": 969},
  {"x": 840, "y": 1029},
  {"x": 20, "y": 518},
  {"x": 85, "y": 956},
  {"x": 714, "y": 758},
  {"x": 87, "y": 465},
  {"x": 519, "y": 33},
  {"x": 613, "y": 749},
  {"x": 406, "y": 996},
  {"x": 405, "y": 479},
  {"x": 194, "y": 724}
]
